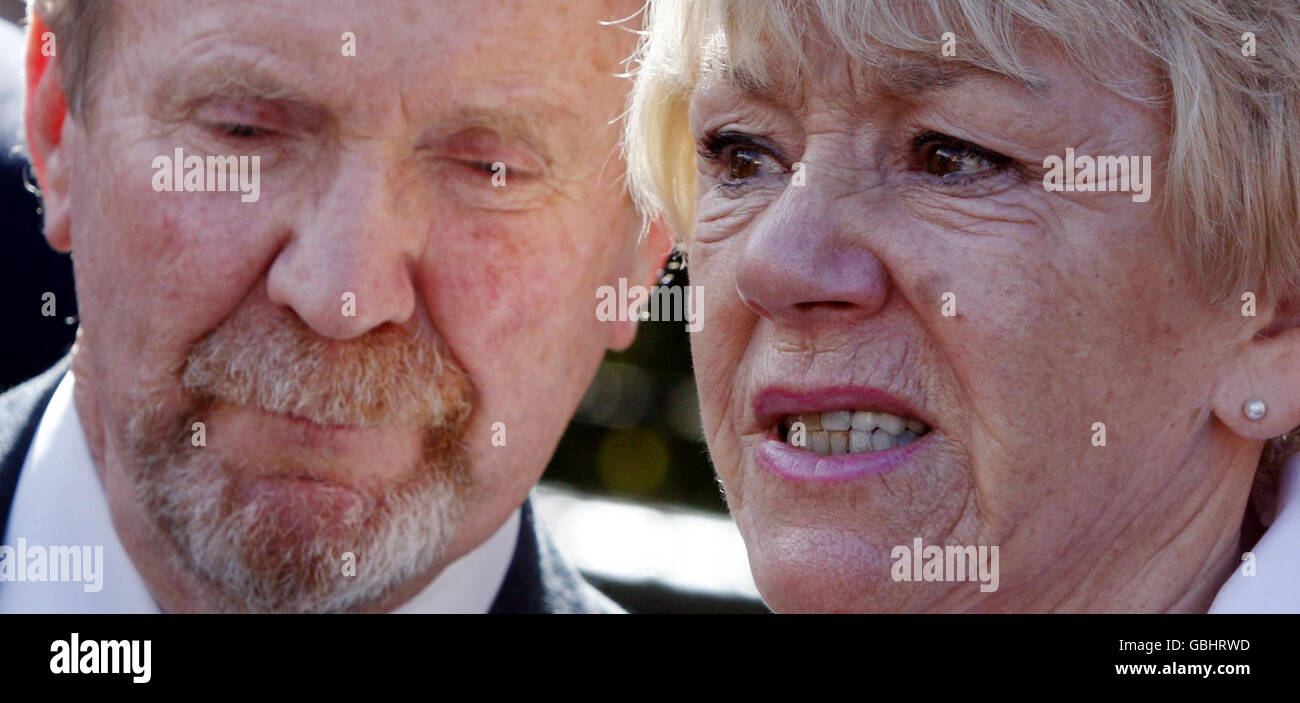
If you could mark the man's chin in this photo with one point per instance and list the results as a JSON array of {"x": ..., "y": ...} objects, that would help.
[
  {"x": 289, "y": 544},
  {"x": 301, "y": 497},
  {"x": 295, "y": 511},
  {"x": 293, "y": 544},
  {"x": 257, "y": 536}
]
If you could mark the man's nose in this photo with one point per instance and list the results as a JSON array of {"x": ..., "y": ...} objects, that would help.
[
  {"x": 804, "y": 265},
  {"x": 348, "y": 266}
]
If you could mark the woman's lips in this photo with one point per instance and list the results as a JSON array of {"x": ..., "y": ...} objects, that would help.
[
  {"x": 791, "y": 462},
  {"x": 803, "y": 438},
  {"x": 850, "y": 431}
]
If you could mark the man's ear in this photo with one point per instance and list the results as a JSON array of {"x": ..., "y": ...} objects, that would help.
[
  {"x": 45, "y": 110},
  {"x": 1265, "y": 368},
  {"x": 651, "y": 254}
]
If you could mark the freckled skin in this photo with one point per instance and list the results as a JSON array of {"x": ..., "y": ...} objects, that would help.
[
  {"x": 1072, "y": 308},
  {"x": 366, "y": 203}
]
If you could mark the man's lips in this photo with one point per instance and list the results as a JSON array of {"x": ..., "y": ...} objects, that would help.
[
  {"x": 287, "y": 431},
  {"x": 310, "y": 431},
  {"x": 835, "y": 433},
  {"x": 282, "y": 446},
  {"x": 311, "y": 424}
]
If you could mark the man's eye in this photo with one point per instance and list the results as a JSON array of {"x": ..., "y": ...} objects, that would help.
[
  {"x": 492, "y": 168},
  {"x": 946, "y": 157},
  {"x": 498, "y": 173},
  {"x": 241, "y": 131}
]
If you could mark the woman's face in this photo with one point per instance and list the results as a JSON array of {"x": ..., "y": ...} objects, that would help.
[{"x": 881, "y": 241}]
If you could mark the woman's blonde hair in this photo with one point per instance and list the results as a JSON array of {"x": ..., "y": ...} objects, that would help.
[{"x": 1232, "y": 190}]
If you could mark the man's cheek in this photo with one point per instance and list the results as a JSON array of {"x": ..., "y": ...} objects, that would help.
[
  {"x": 202, "y": 258},
  {"x": 157, "y": 271}
]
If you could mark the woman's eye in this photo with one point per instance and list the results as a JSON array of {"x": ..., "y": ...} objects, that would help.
[
  {"x": 499, "y": 172},
  {"x": 744, "y": 164},
  {"x": 946, "y": 158},
  {"x": 739, "y": 159}
]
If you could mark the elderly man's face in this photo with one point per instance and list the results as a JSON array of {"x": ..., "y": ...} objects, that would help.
[
  {"x": 924, "y": 270},
  {"x": 355, "y": 339}
]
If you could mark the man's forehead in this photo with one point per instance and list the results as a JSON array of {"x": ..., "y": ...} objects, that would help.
[
  {"x": 432, "y": 35},
  {"x": 463, "y": 63},
  {"x": 243, "y": 69}
]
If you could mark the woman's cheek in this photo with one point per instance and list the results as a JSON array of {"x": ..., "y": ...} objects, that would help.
[
  {"x": 718, "y": 347},
  {"x": 721, "y": 218}
]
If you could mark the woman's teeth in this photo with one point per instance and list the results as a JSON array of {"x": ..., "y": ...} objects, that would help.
[{"x": 851, "y": 431}]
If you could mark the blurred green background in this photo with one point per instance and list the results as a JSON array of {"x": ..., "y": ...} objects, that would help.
[{"x": 637, "y": 433}]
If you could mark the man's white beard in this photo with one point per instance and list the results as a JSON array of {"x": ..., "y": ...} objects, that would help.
[{"x": 253, "y": 548}]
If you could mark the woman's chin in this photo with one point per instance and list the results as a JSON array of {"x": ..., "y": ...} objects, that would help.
[
  {"x": 823, "y": 583},
  {"x": 834, "y": 546},
  {"x": 805, "y": 569},
  {"x": 826, "y": 587}
]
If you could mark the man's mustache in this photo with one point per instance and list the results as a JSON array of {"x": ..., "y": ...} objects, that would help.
[{"x": 265, "y": 357}]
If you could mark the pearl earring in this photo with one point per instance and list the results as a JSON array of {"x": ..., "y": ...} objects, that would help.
[{"x": 1254, "y": 409}]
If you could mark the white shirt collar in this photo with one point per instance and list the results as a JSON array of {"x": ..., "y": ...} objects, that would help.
[
  {"x": 59, "y": 500},
  {"x": 1274, "y": 585}
]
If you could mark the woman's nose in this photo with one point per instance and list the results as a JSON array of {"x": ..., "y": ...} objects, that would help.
[{"x": 800, "y": 265}]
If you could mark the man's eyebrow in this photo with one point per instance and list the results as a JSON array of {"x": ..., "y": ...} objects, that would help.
[
  {"x": 553, "y": 128},
  {"x": 519, "y": 114},
  {"x": 226, "y": 76},
  {"x": 549, "y": 125}
]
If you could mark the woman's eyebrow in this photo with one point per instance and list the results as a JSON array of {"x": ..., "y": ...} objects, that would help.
[
  {"x": 907, "y": 77},
  {"x": 914, "y": 78}
]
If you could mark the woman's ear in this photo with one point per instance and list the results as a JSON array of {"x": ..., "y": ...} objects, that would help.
[
  {"x": 45, "y": 111},
  {"x": 1263, "y": 377},
  {"x": 652, "y": 252}
]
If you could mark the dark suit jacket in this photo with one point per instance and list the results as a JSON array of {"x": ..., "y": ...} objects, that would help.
[{"x": 539, "y": 579}]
